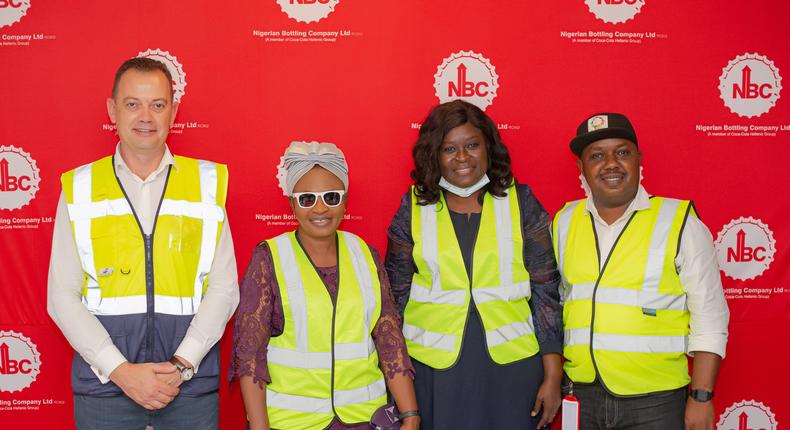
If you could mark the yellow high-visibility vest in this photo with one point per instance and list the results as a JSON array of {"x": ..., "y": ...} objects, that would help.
[
  {"x": 626, "y": 322},
  {"x": 120, "y": 263},
  {"x": 436, "y": 313},
  {"x": 325, "y": 362}
]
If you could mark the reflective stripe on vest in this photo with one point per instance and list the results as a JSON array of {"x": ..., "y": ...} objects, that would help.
[
  {"x": 86, "y": 191},
  {"x": 641, "y": 317},
  {"x": 322, "y": 344},
  {"x": 439, "y": 299}
]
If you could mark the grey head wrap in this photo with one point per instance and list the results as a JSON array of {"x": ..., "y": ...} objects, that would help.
[{"x": 300, "y": 157}]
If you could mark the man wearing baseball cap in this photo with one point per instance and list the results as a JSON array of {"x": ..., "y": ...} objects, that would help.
[{"x": 641, "y": 291}]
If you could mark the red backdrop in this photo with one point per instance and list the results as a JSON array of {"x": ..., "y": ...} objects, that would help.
[{"x": 362, "y": 74}]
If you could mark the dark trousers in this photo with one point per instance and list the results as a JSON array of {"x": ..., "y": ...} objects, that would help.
[
  {"x": 121, "y": 413},
  {"x": 602, "y": 411}
]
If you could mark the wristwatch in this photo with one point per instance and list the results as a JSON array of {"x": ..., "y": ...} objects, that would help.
[
  {"x": 701, "y": 395},
  {"x": 186, "y": 372}
]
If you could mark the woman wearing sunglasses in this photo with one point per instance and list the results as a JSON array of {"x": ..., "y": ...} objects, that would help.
[
  {"x": 317, "y": 340},
  {"x": 471, "y": 260}
]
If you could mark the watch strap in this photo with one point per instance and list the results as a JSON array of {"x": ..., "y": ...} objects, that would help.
[
  {"x": 407, "y": 414},
  {"x": 176, "y": 362},
  {"x": 701, "y": 395}
]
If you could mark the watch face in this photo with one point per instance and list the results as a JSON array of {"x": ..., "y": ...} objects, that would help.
[
  {"x": 701, "y": 395},
  {"x": 187, "y": 374}
]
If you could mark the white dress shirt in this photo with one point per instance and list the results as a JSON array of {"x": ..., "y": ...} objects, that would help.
[
  {"x": 698, "y": 270},
  {"x": 66, "y": 279}
]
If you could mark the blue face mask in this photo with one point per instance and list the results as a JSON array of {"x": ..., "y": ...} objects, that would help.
[{"x": 464, "y": 192}]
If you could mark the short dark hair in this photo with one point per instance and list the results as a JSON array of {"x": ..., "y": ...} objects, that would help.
[
  {"x": 440, "y": 121},
  {"x": 142, "y": 64}
]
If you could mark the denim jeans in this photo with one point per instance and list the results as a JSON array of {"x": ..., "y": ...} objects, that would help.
[
  {"x": 599, "y": 410},
  {"x": 121, "y": 413}
]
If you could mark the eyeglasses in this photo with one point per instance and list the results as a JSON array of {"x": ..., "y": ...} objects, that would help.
[{"x": 331, "y": 198}]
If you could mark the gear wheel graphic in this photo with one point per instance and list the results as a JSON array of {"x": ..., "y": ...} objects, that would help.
[
  {"x": 744, "y": 404},
  {"x": 34, "y": 181},
  {"x": 610, "y": 18},
  {"x": 724, "y": 90},
  {"x": 439, "y": 82},
  {"x": 317, "y": 13},
  {"x": 769, "y": 258},
  {"x": 11, "y": 16},
  {"x": 34, "y": 371},
  {"x": 171, "y": 61}
]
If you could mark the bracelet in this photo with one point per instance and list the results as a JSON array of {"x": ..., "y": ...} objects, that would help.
[{"x": 407, "y": 414}]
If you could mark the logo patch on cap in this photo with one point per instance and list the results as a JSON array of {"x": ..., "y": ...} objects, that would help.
[{"x": 597, "y": 122}]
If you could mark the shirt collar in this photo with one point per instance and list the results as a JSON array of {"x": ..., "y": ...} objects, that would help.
[
  {"x": 640, "y": 202},
  {"x": 167, "y": 160}
]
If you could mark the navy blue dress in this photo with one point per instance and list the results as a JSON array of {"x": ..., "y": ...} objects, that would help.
[{"x": 476, "y": 392}]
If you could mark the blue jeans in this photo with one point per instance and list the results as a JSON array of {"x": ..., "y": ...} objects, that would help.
[
  {"x": 599, "y": 410},
  {"x": 121, "y": 413}
]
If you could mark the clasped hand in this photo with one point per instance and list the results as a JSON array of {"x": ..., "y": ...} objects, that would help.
[{"x": 150, "y": 385}]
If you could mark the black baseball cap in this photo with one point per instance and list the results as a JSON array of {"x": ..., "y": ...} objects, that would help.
[{"x": 602, "y": 126}]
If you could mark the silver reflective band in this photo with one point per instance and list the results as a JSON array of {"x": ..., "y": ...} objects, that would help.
[
  {"x": 365, "y": 283},
  {"x": 81, "y": 188},
  {"x": 102, "y": 208},
  {"x": 627, "y": 343},
  {"x": 658, "y": 244},
  {"x": 360, "y": 395},
  {"x": 509, "y": 332},
  {"x": 430, "y": 245},
  {"x": 128, "y": 305},
  {"x": 429, "y": 339},
  {"x": 504, "y": 293},
  {"x": 313, "y": 405},
  {"x": 421, "y": 294},
  {"x": 319, "y": 360},
  {"x": 290, "y": 402},
  {"x": 563, "y": 227},
  {"x": 118, "y": 207},
  {"x": 212, "y": 215},
  {"x": 295, "y": 290},
  {"x": 626, "y": 296},
  {"x": 504, "y": 239},
  {"x": 302, "y": 360},
  {"x": 200, "y": 210}
]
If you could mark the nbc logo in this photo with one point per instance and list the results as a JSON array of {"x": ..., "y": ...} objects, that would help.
[
  {"x": 469, "y": 76},
  {"x": 747, "y": 415},
  {"x": 19, "y": 362},
  {"x": 308, "y": 11},
  {"x": 615, "y": 11},
  {"x": 18, "y": 178},
  {"x": 745, "y": 248},
  {"x": 750, "y": 85},
  {"x": 11, "y": 11}
]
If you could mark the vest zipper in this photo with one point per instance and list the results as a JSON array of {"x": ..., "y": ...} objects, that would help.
[
  {"x": 148, "y": 240},
  {"x": 595, "y": 290},
  {"x": 148, "y": 245}
]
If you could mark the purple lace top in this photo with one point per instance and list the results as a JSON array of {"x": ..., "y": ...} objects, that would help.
[{"x": 260, "y": 316}]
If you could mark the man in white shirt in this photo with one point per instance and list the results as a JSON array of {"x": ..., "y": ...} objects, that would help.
[
  {"x": 641, "y": 290},
  {"x": 142, "y": 276}
]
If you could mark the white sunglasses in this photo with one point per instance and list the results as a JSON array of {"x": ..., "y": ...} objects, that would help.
[{"x": 331, "y": 198}]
